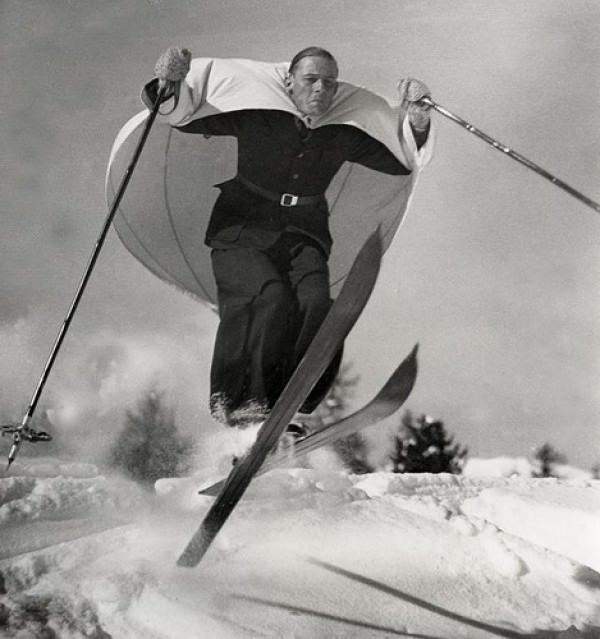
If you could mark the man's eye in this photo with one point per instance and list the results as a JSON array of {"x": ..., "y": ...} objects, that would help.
[{"x": 329, "y": 84}]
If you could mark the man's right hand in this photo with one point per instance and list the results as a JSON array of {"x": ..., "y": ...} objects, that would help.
[{"x": 172, "y": 66}]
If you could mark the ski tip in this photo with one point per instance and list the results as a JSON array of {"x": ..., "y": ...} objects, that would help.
[
  {"x": 372, "y": 247},
  {"x": 411, "y": 362},
  {"x": 212, "y": 490},
  {"x": 375, "y": 241},
  {"x": 412, "y": 356}
]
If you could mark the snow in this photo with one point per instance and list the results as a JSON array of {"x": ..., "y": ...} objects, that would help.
[
  {"x": 574, "y": 513},
  {"x": 498, "y": 467},
  {"x": 308, "y": 553}
]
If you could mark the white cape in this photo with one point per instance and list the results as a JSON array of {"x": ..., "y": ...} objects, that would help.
[{"x": 163, "y": 216}]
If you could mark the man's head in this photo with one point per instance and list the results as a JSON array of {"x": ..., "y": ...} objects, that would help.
[{"x": 312, "y": 80}]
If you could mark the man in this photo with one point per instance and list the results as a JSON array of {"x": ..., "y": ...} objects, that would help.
[{"x": 269, "y": 230}]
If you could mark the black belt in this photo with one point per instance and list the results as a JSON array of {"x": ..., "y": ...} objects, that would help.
[{"x": 283, "y": 199}]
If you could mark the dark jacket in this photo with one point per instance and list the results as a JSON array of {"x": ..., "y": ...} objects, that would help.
[{"x": 278, "y": 153}]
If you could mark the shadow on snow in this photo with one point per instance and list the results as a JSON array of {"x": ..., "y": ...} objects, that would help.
[{"x": 571, "y": 633}]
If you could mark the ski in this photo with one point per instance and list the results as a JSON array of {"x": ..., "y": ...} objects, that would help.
[
  {"x": 342, "y": 316},
  {"x": 387, "y": 401}
]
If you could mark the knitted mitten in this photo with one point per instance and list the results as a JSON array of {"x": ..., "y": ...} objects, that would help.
[{"x": 173, "y": 65}]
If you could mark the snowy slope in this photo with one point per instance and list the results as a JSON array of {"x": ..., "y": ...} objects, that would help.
[{"x": 307, "y": 554}]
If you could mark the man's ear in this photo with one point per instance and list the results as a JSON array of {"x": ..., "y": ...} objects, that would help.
[{"x": 287, "y": 83}]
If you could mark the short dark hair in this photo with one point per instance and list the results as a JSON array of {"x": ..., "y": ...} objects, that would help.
[{"x": 317, "y": 52}]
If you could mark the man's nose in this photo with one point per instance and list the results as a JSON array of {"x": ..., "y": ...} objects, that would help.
[{"x": 318, "y": 86}]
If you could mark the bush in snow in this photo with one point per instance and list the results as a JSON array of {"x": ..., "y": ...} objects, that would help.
[
  {"x": 423, "y": 446},
  {"x": 547, "y": 457},
  {"x": 352, "y": 450},
  {"x": 149, "y": 447}
]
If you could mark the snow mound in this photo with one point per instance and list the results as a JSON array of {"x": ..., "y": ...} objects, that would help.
[
  {"x": 498, "y": 467},
  {"x": 563, "y": 517},
  {"x": 307, "y": 553},
  {"x": 56, "y": 490},
  {"x": 516, "y": 467}
]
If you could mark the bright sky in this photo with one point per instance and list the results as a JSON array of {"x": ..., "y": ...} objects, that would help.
[{"x": 496, "y": 271}]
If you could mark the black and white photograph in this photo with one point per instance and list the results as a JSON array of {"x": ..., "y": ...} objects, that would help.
[{"x": 300, "y": 319}]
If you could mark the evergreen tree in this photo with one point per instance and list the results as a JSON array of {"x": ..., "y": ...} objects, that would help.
[
  {"x": 149, "y": 446},
  {"x": 423, "y": 446},
  {"x": 548, "y": 457}
]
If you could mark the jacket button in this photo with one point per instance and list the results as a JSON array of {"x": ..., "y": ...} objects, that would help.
[{"x": 295, "y": 176}]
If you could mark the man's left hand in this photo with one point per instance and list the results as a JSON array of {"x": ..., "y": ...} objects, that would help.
[{"x": 410, "y": 92}]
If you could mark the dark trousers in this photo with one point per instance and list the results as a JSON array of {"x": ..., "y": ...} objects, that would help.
[{"x": 271, "y": 304}]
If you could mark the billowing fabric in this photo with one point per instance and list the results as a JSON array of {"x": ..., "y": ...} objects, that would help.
[{"x": 163, "y": 217}]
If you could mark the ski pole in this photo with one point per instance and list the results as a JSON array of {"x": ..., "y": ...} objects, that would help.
[
  {"x": 513, "y": 154},
  {"x": 23, "y": 431}
]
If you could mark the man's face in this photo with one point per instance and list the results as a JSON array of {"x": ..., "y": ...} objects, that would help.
[{"x": 313, "y": 84}]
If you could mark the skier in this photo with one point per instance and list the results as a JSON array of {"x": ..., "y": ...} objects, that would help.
[{"x": 268, "y": 231}]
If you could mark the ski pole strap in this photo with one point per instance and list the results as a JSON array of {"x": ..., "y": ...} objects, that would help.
[
  {"x": 283, "y": 199},
  {"x": 513, "y": 154}
]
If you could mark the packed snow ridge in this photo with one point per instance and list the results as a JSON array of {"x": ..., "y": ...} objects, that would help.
[{"x": 307, "y": 554}]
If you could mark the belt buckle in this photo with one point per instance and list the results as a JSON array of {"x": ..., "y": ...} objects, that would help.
[{"x": 287, "y": 199}]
